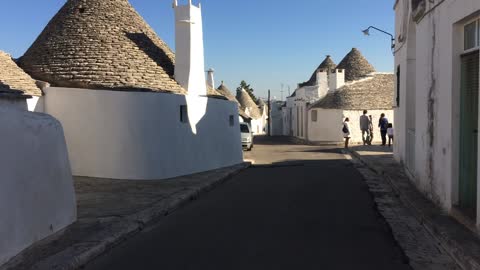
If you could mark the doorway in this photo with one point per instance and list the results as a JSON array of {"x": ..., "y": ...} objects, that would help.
[{"x": 469, "y": 132}]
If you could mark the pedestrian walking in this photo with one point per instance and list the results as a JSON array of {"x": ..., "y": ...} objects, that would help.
[
  {"x": 346, "y": 132},
  {"x": 370, "y": 127},
  {"x": 390, "y": 134},
  {"x": 383, "y": 125},
  {"x": 365, "y": 127}
]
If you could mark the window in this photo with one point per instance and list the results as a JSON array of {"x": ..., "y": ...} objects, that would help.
[
  {"x": 471, "y": 35},
  {"x": 314, "y": 116},
  {"x": 232, "y": 121},
  {"x": 244, "y": 128},
  {"x": 398, "y": 87},
  {"x": 417, "y": 3},
  {"x": 183, "y": 114}
]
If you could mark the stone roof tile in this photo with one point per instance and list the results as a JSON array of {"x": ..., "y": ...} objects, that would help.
[
  {"x": 247, "y": 104},
  {"x": 355, "y": 65},
  {"x": 101, "y": 44},
  {"x": 13, "y": 80},
  {"x": 328, "y": 65},
  {"x": 374, "y": 92}
]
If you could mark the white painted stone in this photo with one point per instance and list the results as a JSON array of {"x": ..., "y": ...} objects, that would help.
[
  {"x": 210, "y": 78},
  {"x": 14, "y": 103},
  {"x": 336, "y": 79},
  {"x": 328, "y": 127},
  {"x": 189, "y": 52},
  {"x": 132, "y": 135},
  {"x": 37, "y": 197},
  {"x": 428, "y": 53}
]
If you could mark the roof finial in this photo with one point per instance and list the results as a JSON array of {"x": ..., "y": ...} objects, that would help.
[
  {"x": 190, "y": 2},
  {"x": 175, "y": 3}
]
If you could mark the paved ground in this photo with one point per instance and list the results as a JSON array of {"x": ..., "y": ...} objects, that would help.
[{"x": 299, "y": 207}]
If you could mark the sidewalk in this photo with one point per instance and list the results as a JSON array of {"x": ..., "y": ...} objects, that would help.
[
  {"x": 110, "y": 211},
  {"x": 459, "y": 242}
]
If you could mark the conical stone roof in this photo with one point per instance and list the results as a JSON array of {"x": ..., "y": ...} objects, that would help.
[
  {"x": 327, "y": 65},
  {"x": 14, "y": 82},
  {"x": 355, "y": 65},
  {"x": 223, "y": 89},
  {"x": 101, "y": 44},
  {"x": 248, "y": 105}
]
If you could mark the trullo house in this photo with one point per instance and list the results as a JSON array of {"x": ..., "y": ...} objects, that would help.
[
  {"x": 130, "y": 107},
  {"x": 362, "y": 89}
]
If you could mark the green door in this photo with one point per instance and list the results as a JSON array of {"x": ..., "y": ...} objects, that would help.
[{"x": 469, "y": 132}]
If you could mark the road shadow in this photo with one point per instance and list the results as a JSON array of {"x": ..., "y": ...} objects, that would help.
[{"x": 273, "y": 140}]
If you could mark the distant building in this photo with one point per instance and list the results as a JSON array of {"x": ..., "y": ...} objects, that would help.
[
  {"x": 373, "y": 93},
  {"x": 317, "y": 108},
  {"x": 276, "y": 117},
  {"x": 224, "y": 91},
  {"x": 437, "y": 93},
  {"x": 259, "y": 116}
]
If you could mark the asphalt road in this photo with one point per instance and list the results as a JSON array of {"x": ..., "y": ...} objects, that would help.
[{"x": 299, "y": 207}]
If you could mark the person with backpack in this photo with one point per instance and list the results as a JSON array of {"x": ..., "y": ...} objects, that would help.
[
  {"x": 346, "y": 132},
  {"x": 383, "y": 125}
]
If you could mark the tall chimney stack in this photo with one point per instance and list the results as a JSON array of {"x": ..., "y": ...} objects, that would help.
[
  {"x": 189, "y": 52},
  {"x": 211, "y": 78}
]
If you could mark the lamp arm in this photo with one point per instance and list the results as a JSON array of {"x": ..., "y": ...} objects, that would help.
[{"x": 385, "y": 32}]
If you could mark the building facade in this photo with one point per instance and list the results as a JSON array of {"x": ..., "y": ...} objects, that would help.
[
  {"x": 437, "y": 71},
  {"x": 130, "y": 107}
]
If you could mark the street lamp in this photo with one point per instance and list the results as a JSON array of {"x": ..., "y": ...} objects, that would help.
[{"x": 366, "y": 32}]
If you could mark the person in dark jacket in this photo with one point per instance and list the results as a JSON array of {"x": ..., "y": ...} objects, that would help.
[{"x": 383, "y": 125}]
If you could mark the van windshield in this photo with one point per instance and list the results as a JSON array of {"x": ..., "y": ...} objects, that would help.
[{"x": 244, "y": 129}]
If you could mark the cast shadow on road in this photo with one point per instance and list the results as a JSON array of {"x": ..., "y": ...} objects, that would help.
[
  {"x": 324, "y": 163},
  {"x": 275, "y": 140}
]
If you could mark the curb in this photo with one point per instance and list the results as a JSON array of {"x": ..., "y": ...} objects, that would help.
[
  {"x": 78, "y": 255},
  {"x": 439, "y": 233}
]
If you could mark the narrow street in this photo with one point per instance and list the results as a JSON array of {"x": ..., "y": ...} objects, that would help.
[{"x": 298, "y": 207}]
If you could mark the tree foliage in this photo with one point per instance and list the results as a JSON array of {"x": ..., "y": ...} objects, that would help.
[{"x": 248, "y": 88}]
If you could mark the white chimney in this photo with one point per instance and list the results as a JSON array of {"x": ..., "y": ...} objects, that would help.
[
  {"x": 189, "y": 53},
  {"x": 210, "y": 78},
  {"x": 336, "y": 79},
  {"x": 322, "y": 82}
]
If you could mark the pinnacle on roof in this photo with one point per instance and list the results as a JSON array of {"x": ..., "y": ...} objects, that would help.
[
  {"x": 14, "y": 82},
  {"x": 247, "y": 104},
  {"x": 355, "y": 65},
  {"x": 101, "y": 44},
  {"x": 327, "y": 65}
]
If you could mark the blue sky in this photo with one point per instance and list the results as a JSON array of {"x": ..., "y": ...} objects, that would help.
[{"x": 265, "y": 42}]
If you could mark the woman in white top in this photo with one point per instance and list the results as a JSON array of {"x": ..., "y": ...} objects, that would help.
[{"x": 346, "y": 131}]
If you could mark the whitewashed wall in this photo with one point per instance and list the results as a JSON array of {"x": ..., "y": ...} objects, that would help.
[
  {"x": 14, "y": 103},
  {"x": 328, "y": 127},
  {"x": 276, "y": 118},
  {"x": 438, "y": 44},
  {"x": 132, "y": 135},
  {"x": 37, "y": 197}
]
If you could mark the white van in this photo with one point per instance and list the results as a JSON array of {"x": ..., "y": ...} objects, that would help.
[{"x": 247, "y": 136}]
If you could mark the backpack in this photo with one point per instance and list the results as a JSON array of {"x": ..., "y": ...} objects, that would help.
[{"x": 345, "y": 129}]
